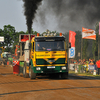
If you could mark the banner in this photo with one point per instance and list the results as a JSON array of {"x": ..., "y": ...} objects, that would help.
[
  {"x": 72, "y": 41},
  {"x": 72, "y": 52},
  {"x": 92, "y": 67},
  {"x": 88, "y": 34},
  {"x": 72, "y": 38},
  {"x": 1, "y": 38}
]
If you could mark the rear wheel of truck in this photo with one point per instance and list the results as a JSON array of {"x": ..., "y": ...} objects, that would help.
[
  {"x": 25, "y": 75},
  {"x": 4, "y": 61},
  {"x": 1, "y": 63},
  {"x": 32, "y": 75}
]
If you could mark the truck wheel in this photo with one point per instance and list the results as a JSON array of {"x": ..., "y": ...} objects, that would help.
[
  {"x": 64, "y": 75},
  {"x": 59, "y": 76},
  {"x": 4, "y": 61},
  {"x": 25, "y": 75},
  {"x": 32, "y": 75},
  {"x": 1, "y": 63}
]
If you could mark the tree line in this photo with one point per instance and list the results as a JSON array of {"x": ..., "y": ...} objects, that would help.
[
  {"x": 11, "y": 37},
  {"x": 89, "y": 47}
]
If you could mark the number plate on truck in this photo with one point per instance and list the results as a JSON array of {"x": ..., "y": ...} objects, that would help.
[{"x": 49, "y": 67}]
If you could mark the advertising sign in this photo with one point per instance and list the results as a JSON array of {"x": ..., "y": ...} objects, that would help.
[
  {"x": 72, "y": 41},
  {"x": 72, "y": 52},
  {"x": 92, "y": 67},
  {"x": 88, "y": 34},
  {"x": 1, "y": 39}
]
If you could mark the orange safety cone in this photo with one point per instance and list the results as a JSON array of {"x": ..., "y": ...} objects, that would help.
[{"x": 94, "y": 72}]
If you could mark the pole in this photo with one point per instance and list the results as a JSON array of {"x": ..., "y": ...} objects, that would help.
[
  {"x": 99, "y": 43},
  {"x": 81, "y": 47},
  {"x": 29, "y": 45},
  {"x": 68, "y": 54},
  {"x": 98, "y": 47}
]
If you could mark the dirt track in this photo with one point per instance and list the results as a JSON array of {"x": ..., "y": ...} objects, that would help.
[{"x": 14, "y": 87}]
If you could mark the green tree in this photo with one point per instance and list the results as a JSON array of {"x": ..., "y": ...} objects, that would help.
[
  {"x": 8, "y": 34},
  {"x": 95, "y": 42},
  {"x": 78, "y": 38},
  {"x": 84, "y": 49},
  {"x": 32, "y": 32},
  {"x": 1, "y": 34}
]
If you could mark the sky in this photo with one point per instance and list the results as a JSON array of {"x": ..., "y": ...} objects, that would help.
[
  {"x": 11, "y": 12},
  {"x": 55, "y": 15}
]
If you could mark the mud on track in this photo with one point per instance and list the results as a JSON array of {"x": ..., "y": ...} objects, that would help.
[{"x": 14, "y": 87}]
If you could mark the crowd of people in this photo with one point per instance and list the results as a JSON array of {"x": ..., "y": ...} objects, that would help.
[{"x": 86, "y": 62}]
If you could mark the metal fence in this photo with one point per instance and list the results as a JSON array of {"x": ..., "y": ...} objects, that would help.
[{"x": 80, "y": 68}]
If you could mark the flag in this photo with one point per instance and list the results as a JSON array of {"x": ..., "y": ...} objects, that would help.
[
  {"x": 88, "y": 34},
  {"x": 72, "y": 38},
  {"x": 72, "y": 41}
]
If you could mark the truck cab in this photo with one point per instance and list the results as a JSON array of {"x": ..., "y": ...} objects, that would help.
[{"x": 48, "y": 56}]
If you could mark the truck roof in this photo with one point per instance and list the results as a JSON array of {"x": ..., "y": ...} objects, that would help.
[{"x": 56, "y": 38}]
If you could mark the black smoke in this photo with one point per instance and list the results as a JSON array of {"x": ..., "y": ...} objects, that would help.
[
  {"x": 69, "y": 14},
  {"x": 30, "y": 7}
]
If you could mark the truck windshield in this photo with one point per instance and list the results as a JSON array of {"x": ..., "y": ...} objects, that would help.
[{"x": 50, "y": 46}]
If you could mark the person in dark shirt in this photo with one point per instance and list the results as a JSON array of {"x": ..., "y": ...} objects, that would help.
[
  {"x": 89, "y": 61},
  {"x": 40, "y": 48},
  {"x": 58, "y": 46}
]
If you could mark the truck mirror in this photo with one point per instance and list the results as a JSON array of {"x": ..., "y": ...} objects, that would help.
[
  {"x": 33, "y": 45},
  {"x": 29, "y": 46},
  {"x": 69, "y": 45}
]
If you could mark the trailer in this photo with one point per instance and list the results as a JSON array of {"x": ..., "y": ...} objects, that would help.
[{"x": 22, "y": 52}]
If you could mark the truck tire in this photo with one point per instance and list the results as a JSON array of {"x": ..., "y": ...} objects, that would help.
[
  {"x": 1, "y": 63},
  {"x": 64, "y": 75},
  {"x": 32, "y": 75},
  {"x": 25, "y": 75},
  {"x": 4, "y": 61}
]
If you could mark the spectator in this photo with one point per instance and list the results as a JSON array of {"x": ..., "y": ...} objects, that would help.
[
  {"x": 58, "y": 46},
  {"x": 84, "y": 61},
  {"x": 72, "y": 61},
  {"x": 98, "y": 66},
  {"x": 91, "y": 62},
  {"x": 79, "y": 61},
  {"x": 39, "y": 47},
  {"x": 75, "y": 63},
  {"x": 87, "y": 62}
]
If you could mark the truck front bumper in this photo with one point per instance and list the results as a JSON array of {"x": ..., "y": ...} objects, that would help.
[{"x": 50, "y": 69}]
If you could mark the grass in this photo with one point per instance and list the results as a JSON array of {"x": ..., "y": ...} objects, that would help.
[{"x": 85, "y": 74}]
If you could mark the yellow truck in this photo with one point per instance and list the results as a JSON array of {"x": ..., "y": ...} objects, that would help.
[{"x": 48, "y": 56}]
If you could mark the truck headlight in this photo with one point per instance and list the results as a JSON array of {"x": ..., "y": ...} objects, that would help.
[
  {"x": 63, "y": 68},
  {"x": 38, "y": 68}
]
